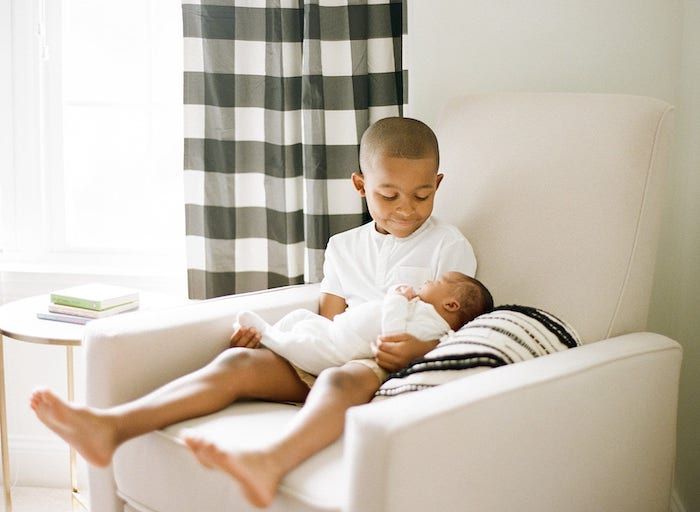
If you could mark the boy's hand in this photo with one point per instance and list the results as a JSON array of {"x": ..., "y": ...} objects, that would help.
[
  {"x": 395, "y": 351},
  {"x": 247, "y": 337}
]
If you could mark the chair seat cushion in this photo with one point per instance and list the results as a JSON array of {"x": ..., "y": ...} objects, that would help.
[{"x": 156, "y": 472}]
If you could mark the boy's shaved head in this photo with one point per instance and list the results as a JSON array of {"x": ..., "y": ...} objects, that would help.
[{"x": 399, "y": 137}]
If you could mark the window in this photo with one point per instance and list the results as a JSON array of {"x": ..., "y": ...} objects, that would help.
[{"x": 91, "y": 165}]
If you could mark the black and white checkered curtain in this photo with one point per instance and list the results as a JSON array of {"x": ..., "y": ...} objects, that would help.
[{"x": 277, "y": 96}]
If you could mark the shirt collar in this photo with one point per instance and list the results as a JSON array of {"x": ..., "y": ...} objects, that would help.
[{"x": 376, "y": 235}]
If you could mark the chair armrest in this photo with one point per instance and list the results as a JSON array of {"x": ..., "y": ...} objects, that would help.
[
  {"x": 131, "y": 355},
  {"x": 608, "y": 408},
  {"x": 128, "y": 356}
]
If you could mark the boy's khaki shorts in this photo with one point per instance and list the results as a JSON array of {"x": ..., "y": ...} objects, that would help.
[{"x": 309, "y": 379}]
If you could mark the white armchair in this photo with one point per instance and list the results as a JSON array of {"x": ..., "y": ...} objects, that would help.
[{"x": 559, "y": 194}]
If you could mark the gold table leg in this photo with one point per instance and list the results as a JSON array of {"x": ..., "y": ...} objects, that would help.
[
  {"x": 3, "y": 434},
  {"x": 71, "y": 398}
]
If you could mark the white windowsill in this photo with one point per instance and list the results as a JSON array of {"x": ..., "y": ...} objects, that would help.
[{"x": 97, "y": 263}]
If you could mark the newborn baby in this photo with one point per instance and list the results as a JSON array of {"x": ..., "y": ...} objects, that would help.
[{"x": 313, "y": 342}]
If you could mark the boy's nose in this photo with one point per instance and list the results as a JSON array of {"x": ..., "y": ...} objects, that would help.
[{"x": 405, "y": 208}]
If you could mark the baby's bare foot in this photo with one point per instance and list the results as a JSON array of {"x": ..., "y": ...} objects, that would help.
[
  {"x": 256, "y": 472},
  {"x": 92, "y": 435}
]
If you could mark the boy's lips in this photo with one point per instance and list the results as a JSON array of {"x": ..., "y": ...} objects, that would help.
[{"x": 404, "y": 222}]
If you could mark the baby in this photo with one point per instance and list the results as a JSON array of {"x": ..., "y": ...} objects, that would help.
[{"x": 312, "y": 343}]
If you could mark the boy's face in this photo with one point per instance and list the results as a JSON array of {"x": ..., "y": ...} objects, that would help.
[{"x": 399, "y": 191}]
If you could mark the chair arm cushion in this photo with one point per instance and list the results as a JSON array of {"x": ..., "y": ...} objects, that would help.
[
  {"x": 131, "y": 355},
  {"x": 579, "y": 416},
  {"x": 128, "y": 356}
]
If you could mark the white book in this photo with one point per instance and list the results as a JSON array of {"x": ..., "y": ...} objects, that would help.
[
  {"x": 91, "y": 313},
  {"x": 95, "y": 296},
  {"x": 63, "y": 318}
]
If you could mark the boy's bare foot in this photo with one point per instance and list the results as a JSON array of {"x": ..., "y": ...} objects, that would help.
[
  {"x": 92, "y": 435},
  {"x": 256, "y": 472}
]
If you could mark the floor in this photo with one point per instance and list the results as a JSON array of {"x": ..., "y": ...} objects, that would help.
[{"x": 41, "y": 499}]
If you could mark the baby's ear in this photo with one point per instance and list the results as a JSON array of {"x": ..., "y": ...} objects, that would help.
[
  {"x": 358, "y": 181},
  {"x": 451, "y": 304}
]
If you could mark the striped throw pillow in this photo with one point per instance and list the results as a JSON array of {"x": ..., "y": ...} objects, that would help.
[{"x": 506, "y": 335}]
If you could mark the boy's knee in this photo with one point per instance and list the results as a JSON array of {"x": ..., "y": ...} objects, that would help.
[
  {"x": 235, "y": 357},
  {"x": 340, "y": 379}
]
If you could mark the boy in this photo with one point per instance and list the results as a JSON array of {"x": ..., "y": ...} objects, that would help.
[
  {"x": 399, "y": 160},
  {"x": 313, "y": 343}
]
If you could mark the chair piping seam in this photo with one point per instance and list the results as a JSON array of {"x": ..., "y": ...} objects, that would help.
[{"x": 642, "y": 208}]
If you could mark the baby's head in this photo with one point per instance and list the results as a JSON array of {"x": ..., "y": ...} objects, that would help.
[
  {"x": 457, "y": 297},
  {"x": 398, "y": 175}
]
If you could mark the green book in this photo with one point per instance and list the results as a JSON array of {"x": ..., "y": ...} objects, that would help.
[{"x": 95, "y": 296}]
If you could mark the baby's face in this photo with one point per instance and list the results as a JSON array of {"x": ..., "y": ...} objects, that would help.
[{"x": 436, "y": 292}]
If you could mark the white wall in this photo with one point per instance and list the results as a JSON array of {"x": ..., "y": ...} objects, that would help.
[
  {"x": 457, "y": 47},
  {"x": 645, "y": 47},
  {"x": 676, "y": 300}
]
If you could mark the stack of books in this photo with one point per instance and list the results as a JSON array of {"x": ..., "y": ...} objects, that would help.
[{"x": 80, "y": 304}]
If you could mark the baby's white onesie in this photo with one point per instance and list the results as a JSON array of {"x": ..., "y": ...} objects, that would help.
[{"x": 313, "y": 342}]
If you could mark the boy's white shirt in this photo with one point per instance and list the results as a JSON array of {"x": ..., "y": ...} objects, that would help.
[{"x": 361, "y": 264}]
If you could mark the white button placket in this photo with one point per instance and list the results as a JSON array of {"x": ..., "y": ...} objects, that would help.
[{"x": 383, "y": 258}]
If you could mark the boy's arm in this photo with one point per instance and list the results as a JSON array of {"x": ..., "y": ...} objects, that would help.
[
  {"x": 331, "y": 305},
  {"x": 395, "y": 351}
]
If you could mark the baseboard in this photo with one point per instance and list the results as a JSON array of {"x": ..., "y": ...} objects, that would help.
[
  {"x": 41, "y": 462},
  {"x": 676, "y": 503}
]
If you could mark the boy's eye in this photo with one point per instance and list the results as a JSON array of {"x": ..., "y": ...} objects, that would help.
[
  {"x": 419, "y": 198},
  {"x": 388, "y": 198}
]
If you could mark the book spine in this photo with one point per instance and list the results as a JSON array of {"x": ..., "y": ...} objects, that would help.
[
  {"x": 72, "y": 310},
  {"x": 63, "y": 318},
  {"x": 78, "y": 303}
]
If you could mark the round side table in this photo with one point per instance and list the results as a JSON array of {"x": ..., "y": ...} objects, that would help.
[{"x": 18, "y": 321}]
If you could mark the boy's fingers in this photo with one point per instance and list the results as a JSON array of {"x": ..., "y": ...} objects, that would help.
[
  {"x": 243, "y": 337},
  {"x": 390, "y": 367},
  {"x": 389, "y": 347},
  {"x": 387, "y": 361},
  {"x": 393, "y": 338},
  {"x": 254, "y": 341}
]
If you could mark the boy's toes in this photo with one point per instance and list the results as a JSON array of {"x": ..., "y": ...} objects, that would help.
[{"x": 40, "y": 397}]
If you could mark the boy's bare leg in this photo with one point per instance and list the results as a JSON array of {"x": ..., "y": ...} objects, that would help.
[
  {"x": 318, "y": 424},
  {"x": 235, "y": 373}
]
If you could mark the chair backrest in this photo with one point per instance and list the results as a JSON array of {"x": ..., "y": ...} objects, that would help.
[{"x": 560, "y": 196}]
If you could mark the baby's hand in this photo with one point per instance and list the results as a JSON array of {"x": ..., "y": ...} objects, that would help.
[
  {"x": 406, "y": 290},
  {"x": 247, "y": 337}
]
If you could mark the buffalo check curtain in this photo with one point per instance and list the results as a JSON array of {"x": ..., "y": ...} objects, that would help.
[{"x": 277, "y": 95}]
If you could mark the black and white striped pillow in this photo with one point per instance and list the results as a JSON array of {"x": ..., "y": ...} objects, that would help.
[{"x": 508, "y": 334}]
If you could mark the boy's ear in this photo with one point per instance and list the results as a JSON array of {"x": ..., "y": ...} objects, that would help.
[
  {"x": 451, "y": 304},
  {"x": 438, "y": 179},
  {"x": 358, "y": 180}
]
